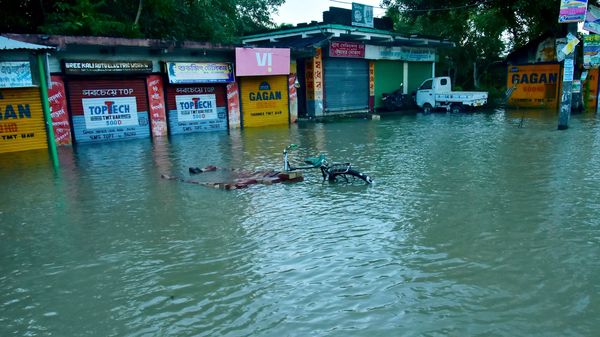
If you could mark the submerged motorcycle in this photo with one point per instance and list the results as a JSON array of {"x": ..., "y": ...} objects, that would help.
[{"x": 397, "y": 100}]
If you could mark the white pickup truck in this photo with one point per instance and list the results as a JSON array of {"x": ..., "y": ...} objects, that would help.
[{"x": 436, "y": 93}]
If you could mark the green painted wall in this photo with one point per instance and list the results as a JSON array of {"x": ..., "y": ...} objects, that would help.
[
  {"x": 417, "y": 73},
  {"x": 388, "y": 76}
]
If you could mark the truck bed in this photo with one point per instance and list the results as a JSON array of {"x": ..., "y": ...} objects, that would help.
[{"x": 461, "y": 96}]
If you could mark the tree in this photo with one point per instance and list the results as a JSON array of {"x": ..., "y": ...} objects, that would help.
[
  {"x": 484, "y": 30},
  {"x": 206, "y": 20}
]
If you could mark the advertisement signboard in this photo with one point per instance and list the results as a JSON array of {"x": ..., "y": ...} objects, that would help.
[
  {"x": 591, "y": 51},
  {"x": 116, "y": 111},
  {"x": 535, "y": 85},
  {"x": 22, "y": 125},
  {"x": 413, "y": 54},
  {"x": 106, "y": 67},
  {"x": 265, "y": 101},
  {"x": 262, "y": 61},
  {"x": 572, "y": 11},
  {"x": 592, "y": 20},
  {"x": 108, "y": 110},
  {"x": 188, "y": 72},
  {"x": 362, "y": 15},
  {"x": 58, "y": 111},
  {"x": 346, "y": 49},
  {"x": 156, "y": 103},
  {"x": 197, "y": 108},
  {"x": 15, "y": 74}
]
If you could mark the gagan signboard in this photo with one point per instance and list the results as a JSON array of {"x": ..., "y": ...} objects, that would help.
[
  {"x": 262, "y": 61},
  {"x": 535, "y": 85}
]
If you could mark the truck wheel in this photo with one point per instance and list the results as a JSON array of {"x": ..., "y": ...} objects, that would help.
[
  {"x": 456, "y": 108},
  {"x": 427, "y": 108}
]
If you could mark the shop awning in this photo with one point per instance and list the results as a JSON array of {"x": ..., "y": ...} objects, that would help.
[{"x": 10, "y": 44}]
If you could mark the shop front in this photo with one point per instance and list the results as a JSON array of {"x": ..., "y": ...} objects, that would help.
[
  {"x": 197, "y": 99},
  {"x": 346, "y": 78},
  {"x": 264, "y": 85},
  {"x": 108, "y": 100},
  {"x": 400, "y": 67},
  {"x": 534, "y": 85},
  {"x": 22, "y": 125}
]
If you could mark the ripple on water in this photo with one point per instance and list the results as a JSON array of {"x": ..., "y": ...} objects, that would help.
[{"x": 475, "y": 226}]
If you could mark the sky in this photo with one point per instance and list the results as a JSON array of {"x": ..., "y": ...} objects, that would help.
[{"x": 298, "y": 11}]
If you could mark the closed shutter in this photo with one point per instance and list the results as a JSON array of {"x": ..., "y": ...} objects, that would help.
[
  {"x": 196, "y": 108},
  {"x": 264, "y": 101},
  {"x": 22, "y": 125},
  {"x": 346, "y": 84},
  {"x": 107, "y": 110}
]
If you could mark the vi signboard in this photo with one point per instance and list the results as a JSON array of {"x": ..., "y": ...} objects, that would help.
[{"x": 262, "y": 61}]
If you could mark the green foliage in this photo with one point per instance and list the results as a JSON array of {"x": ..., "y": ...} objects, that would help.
[
  {"x": 483, "y": 30},
  {"x": 203, "y": 20}
]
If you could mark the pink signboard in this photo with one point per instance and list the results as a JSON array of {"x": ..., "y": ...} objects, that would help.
[
  {"x": 262, "y": 61},
  {"x": 346, "y": 49}
]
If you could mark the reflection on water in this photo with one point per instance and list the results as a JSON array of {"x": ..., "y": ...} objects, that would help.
[{"x": 478, "y": 224}]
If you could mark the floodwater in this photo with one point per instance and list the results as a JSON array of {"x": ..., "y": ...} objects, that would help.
[{"x": 481, "y": 224}]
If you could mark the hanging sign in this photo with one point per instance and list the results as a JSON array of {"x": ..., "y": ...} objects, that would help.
[
  {"x": 185, "y": 73},
  {"x": 15, "y": 75},
  {"x": 592, "y": 20},
  {"x": 572, "y": 11},
  {"x": 591, "y": 51},
  {"x": 362, "y": 15}
]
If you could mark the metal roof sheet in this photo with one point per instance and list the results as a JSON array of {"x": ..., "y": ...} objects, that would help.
[{"x": 10, "y": 44}]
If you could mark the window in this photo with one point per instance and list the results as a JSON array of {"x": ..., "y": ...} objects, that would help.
[
  {"x": 444, "y": 81},
  {"x": 426, "y": 85}
]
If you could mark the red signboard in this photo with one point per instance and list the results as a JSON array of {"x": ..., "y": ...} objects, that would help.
[
  {"x": 233, "y": 105},
  {"x": 347, "y": 49},
  {"x": 58, "y": 107},
  {"x": 156, "y": 101}
]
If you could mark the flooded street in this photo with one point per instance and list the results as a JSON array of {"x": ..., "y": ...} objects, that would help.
[{"x": 477, "y": 225}]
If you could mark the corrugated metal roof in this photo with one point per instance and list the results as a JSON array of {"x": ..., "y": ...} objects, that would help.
[{"x": 10, "y": 44}]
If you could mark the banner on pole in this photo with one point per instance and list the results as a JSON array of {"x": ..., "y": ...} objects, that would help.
[{"x": 572, "y": 11}]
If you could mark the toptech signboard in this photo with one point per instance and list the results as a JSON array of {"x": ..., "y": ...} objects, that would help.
[
  {"x": 262, "y": 61},
  {"x": 104, "y": 112}
]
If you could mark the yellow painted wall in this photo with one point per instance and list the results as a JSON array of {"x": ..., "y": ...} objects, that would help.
[
  {"x": 22, "y": 124},
  {"x": 264, "y": 101}
]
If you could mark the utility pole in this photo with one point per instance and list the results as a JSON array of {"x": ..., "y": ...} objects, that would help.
[{"x": 567, "y": 84}]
